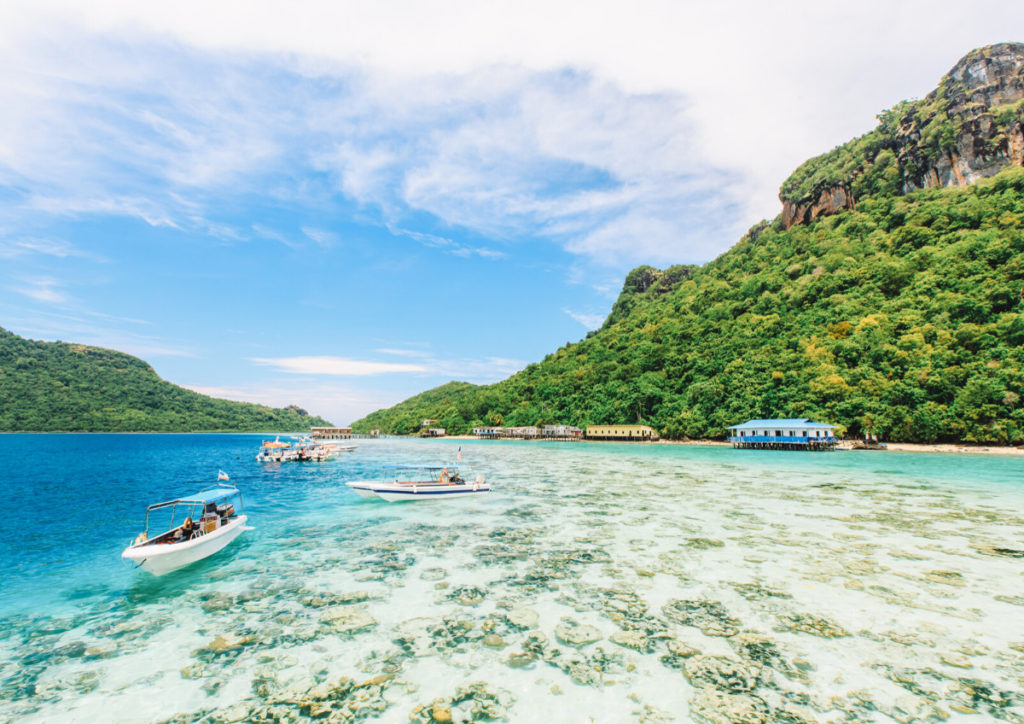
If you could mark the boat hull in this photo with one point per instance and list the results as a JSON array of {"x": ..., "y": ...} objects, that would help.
[
  {"x": 395, "y": 492},
  {"x": 160, "y": 559}
]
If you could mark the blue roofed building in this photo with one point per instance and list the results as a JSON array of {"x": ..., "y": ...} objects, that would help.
[{"x": 783, "y": 434}]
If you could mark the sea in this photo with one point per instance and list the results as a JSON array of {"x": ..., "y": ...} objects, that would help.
[{"x": 594, "y": 583}]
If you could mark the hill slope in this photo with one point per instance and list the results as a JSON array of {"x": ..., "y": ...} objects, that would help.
[
  {"x": 446, "y": 401},
  {"x": 56, "y": 386},
  {"x": 887, "y": 297}
]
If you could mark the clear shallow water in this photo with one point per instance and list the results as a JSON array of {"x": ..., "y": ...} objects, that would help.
[{"x": 605, "y": 583}]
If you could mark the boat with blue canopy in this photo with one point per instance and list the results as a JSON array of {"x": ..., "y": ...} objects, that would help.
[
  {"x": 210, "y": 520},
  {"x": 420, "y": 482}
]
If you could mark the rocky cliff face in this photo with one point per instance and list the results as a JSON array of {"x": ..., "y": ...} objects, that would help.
[
  {"x": 829, "y": 201},
  {"x": 968, "y": 128},
  {"x": 980, "y": 95}
]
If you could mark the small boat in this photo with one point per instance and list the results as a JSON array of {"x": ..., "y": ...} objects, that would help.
[
  {"x": 213, "y": 518},
  {"x": 305, "y": 449},
  {"x": 337, "y": 447},
  {"x": 420, "y": 482},
  {"x": 275, "y": 451},
  {"x": 309, "y": 448}
]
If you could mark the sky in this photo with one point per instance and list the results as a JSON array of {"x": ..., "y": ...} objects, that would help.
[{"x": 339, "y": 205}]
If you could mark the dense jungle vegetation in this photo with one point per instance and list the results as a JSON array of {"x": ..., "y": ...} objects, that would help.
[
  {"x": 903, "y": 318},
  {"x": 60, "y": 387}
]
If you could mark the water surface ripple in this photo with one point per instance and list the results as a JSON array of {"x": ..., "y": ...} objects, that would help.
[{"x": 604, "y": 583}]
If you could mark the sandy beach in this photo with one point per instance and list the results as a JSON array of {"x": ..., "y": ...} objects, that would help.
[{"x": 946, "y": 448}]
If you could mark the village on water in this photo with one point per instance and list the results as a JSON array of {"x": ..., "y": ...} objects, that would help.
[{"x": 772, "y": 434}]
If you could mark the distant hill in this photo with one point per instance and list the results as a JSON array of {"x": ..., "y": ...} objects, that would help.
[
  {"x": 887, "y": 297},
  {"x": 61, "y": 387},
  {"x": 408, "y": 416}
]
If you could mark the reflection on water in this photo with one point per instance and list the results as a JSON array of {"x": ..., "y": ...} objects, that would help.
[{"x": 597, "y": 582}]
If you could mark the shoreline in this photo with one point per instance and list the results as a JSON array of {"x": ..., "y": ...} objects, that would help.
[{"x": 913, "y": 447}]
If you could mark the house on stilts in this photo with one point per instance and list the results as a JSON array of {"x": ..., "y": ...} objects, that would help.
[{"x": 788, "y": 434}]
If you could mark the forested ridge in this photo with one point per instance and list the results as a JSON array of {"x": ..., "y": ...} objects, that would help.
[
  {"x": 870, "y": 303},
  {"x": 62, "y": 387}
]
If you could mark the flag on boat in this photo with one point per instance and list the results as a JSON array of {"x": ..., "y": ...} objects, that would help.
[
  {"x": 459, "y": 453},
  {"x": 221, "y": 475}
]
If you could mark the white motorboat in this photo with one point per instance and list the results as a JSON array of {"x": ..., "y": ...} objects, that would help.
[
  {"x": 311, "y": 449},
  {"x": 337, "y": 447},
  {"x": 275, "y": 451},
  {"x": 420, "y": 482},
  {"x": 213, "y": 518}
]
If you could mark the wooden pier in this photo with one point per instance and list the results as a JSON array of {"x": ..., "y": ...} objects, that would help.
[{"x": 784, "y": 443}]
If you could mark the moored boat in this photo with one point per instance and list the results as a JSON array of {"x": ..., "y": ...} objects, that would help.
[
  {"x": 275, "y": 451},
  {"x": 214, "y": 517},
  {"x": 420, "y": 482},
  {"x": 305, "y": 449}
]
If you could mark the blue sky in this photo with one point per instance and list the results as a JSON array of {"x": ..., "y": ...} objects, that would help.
[{"x": 340, "y": 206}]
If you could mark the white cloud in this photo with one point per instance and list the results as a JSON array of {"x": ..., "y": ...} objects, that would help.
[
  {"x": 403, "y": 352},
  {"x": 12, "y": 248},
  {"x": 265, "y": 232},
  {"x": 649, "y": 132},
  {"x": 448, "y": 245},
  {"x": 338, "y": 403},
  {"x": 473, "y": 369},
  {"x": 83, "y": 326},
  {"x": 334, "y": 366},
  {"x": 43, "y": 289},
  {"x": 322, "y": 237},
  {"x": 590, "y": 321},
  {"x": 477, "y": 371}
]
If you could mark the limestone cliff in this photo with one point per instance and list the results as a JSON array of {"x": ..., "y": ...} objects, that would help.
[{"x": 967, "y": 129}]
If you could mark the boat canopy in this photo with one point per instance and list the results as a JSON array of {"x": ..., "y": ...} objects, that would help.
[
  {"x": 421, "y": 467},
  {"x": 209, "y": 495},
  {"x": 276, "y": 443}
]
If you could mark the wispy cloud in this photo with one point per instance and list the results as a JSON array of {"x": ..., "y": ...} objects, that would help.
[
  {"x": 616, "y": 143},
  {"x": 43, "y": 289},
  {"x": 403, "y": 352},
  {"x": 590, "y": 321},
  {"x": 92, "y": 328},
  {"x": 265, "y": 232},
  {"x": 334, "y": 366},
  {"x": 445, "y": 244},
  {"x": 339, "y": 403},
  {"x": 322, "y": 237},
  {"x": 13, "y": 248},
  {"x": 476, "y": 370},
  {"x": 500, "y": 150},
  {"x": 472, "y": 369}
]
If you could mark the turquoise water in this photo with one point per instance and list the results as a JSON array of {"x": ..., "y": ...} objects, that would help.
[{"x": 602, "y": 583}]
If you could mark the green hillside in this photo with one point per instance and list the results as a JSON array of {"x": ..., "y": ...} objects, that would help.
[
  {"x": 407, "y": 417},
  {"x": 884, "y": 308},
  {"x": 61, "y": 387}
]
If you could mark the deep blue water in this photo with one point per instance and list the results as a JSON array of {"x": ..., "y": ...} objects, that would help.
[{"x": 73, "y": 502}]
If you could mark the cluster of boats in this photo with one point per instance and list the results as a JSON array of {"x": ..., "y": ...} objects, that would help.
[
  {"x": 305, "y": 449},
  {"x": 215, "y": 516}
]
